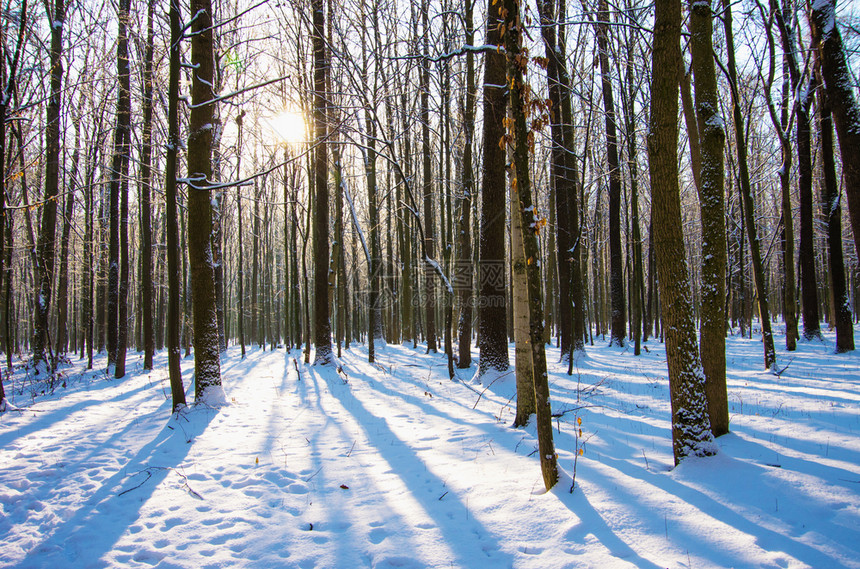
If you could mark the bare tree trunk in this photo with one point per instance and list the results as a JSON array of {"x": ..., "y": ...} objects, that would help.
[
  {"x": 637, "y": 276},
  {"x": 322, "y": 323},
  {"x": 712, "y": 142},
  {"x": 5, "y": 218},
  {"x": 124, "y": 124},
  {"x": 522, "y": 332},
  {"x": 207, "y": 365},
  {"x": 45, "y": 247},
  {"x": 174, "y": 310},
  {"x": 119, "y": 170},
  {"x": 530, "y": 228},
  {"x": 492, "y": 326},
  {"x": 789, "y": 302},
  {"x": 746, "y": 192},
  {"x": 830, "y": 201},
  {"x": 464, "y": 248},
  {"x": 843, "y": 104},
  {"x": 808, "y": 276},
  {"x": 691, "y": 434},
  {"x": 618, "y": 324},
  {"x": 61, "y": 340},
  {"x": 429, "y": 217},
  {"x": 145, "y": 283}
]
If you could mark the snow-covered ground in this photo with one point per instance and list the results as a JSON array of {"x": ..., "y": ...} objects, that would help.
[{"x": 396, "y": 466}]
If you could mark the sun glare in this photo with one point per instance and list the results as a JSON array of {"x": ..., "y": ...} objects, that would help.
[{"x": 287, "y": 127}]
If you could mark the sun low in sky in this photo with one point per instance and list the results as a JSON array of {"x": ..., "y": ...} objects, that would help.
[{"x": 286, "y": 127}]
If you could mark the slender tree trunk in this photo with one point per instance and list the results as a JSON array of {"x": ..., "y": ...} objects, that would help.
[
  {"x": 789, "y": 300},
  {"x": 429, "y": 217},
  {"x": 464, "y": 249},
  {"x": 521, "y": 184},
  {"x": 746, "y": 192},
  {"x": 240, "y": 231},
  {"x": 691, "y": 434},
  {"x": 145, "y": 284},
  {"x": 124, "y": 124},
  {"x": 5, "y": 217},
  {"x": 637, "y": 276},
  {"x": 174, "y": 310},
  {"x": 61, "y": 340},
  {"x": 560, "y": 185},
  {"x": 618, "y": 322},
  {"x": 522, "y": 331},
  {"x": 89, "y": 264},
  {"x": 808, "y": 275},
  {"x": 255, "y": 268},
  {"x": 119, "y": 171}
]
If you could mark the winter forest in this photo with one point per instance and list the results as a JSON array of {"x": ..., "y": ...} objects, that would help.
[{"x": 443, "y": 283}]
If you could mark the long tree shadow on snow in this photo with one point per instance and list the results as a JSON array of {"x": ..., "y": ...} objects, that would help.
[
  {"x": 398, "y": 454},
  {"x": 81, "y": 542}
]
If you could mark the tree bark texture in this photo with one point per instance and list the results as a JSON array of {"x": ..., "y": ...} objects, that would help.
[
  {"x": 492, "y": 297},
  {"x": 746, "y": 193},
  {"x": 711, "y": 191},
  {"x": 45, "y": 247},
  {"x": 618, "y": 317},
  {"x": 843, "y": 104},
  {"x": 207, "y": 347},
  {"x": 530, "y": 228},
  {"x": 691, "y": 433},
  {"x": 322, "y": 324}
]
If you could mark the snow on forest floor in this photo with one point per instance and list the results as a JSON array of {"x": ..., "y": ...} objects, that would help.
[{"x": 400, "y": 467}]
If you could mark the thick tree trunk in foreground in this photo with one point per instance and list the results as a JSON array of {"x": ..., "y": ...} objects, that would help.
[
  {"x": 492, "y": 310},
  {"x": 691, "y": 434},
  {"x": 322, "y": 324},
  {"x": 207, "y": 347},
  {"x": 712, "y": 142}
]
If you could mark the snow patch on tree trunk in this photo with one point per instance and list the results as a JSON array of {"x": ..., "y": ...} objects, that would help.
[{"x": 213, "y": 396}]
